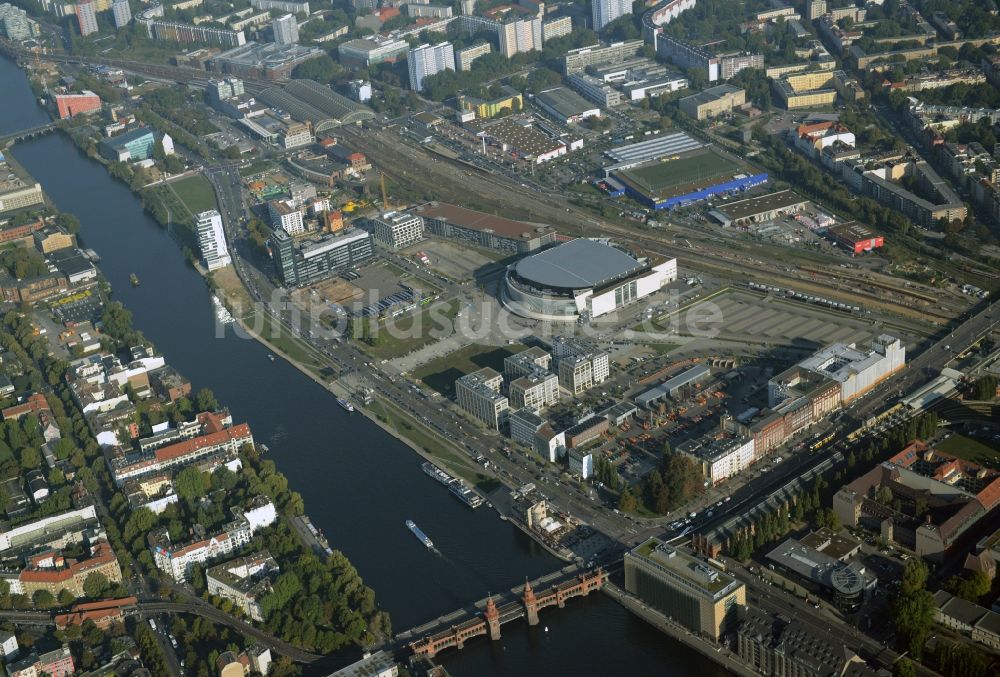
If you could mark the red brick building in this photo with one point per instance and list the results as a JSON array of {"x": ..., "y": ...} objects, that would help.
[{"x": 69, "y": 105}]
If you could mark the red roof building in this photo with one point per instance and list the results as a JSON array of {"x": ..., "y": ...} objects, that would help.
[
  {"x": 69, "y": 105},
  {"x": 34, "y": 404}
]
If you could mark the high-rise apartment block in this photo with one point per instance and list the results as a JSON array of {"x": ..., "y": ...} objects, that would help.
[
  {"x": 286, "y": 30},
  {"x": 212, "y": 240},
  {"x": 86, "y": 17},
  {"x": 427, "y": 60},
  {"x": 606, "y": 11},
  {"x": 122, "y": 13},
  {"x": 521, "y": 35}
]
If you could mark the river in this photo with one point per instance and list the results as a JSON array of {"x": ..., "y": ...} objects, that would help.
[{"x": 359, "y": 483}]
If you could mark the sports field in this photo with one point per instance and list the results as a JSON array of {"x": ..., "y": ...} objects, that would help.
[{"x": 659, "y": 178}]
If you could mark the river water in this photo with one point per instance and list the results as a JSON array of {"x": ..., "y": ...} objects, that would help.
[{"x": 359, "y": 483}]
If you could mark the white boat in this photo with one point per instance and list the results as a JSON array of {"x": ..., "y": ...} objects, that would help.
[
  {"x": 222, "y": 314},
  {"x": 345, "y": 404},
  {"x": 419, "y": 534}
]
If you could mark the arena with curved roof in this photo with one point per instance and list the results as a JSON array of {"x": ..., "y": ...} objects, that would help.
[{"x": 582, "y": 277}]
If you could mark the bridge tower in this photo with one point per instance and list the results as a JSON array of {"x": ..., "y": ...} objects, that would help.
[
  {"x": 492, "y": 616},
  {"x": 530, "y": 604}
]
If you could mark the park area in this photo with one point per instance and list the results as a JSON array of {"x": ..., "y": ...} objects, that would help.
[
  {"x": 440, "y": 374},
  {"x": 177, "y": 202},
  {"x": 681, "y": 174},
  {"x": 981, "y": 452}
]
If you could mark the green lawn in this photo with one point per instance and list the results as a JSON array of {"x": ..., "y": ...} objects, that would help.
[
  {"x": 257, "y": 167},
  {"x": 196, "y": 193},
  {"x": 983, "y": 453},
  {"x": 440, "y": 374},
  {"x": 664, "y": 175}
]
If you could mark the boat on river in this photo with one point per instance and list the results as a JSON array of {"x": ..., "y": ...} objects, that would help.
[{"x": 421, "y": 536}]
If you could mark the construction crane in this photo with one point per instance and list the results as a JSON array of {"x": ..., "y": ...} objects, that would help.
[{"x": 385, "y": 196}]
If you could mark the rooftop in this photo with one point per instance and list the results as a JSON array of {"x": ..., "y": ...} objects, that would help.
[
  {"x": 577, "y": 264},
  {"x": 473, "y": 220},
  {"x": 565, "y": 101},
  {"x": 741, "y": 209},
  {"x": 695, "y": 572}
]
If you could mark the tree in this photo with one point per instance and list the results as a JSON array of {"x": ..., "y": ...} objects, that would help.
[
  {"x": 43, "y": 599},
  {"x": 913, "y": 608},
  {"x": 191, "y": 483},
  {"x": 95, "y": 585},
  {"x": 627, "y": 501},
  {"x": 971, "y": 588},
  {"x": 66, "y": 598},
  {"x": 205, "y": 400}
]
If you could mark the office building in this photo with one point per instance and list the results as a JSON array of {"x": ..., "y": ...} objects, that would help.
[
  {"x": 585, "y": 431},
  {"x": 266, "y": 61},
  {"x": 312, "y": 259},
  {"x": 524, "y": 425},
  {"x": 581, "y": 463},
  {"x": 526, "y": 362},
  {"x": 20, "y": 196},
  {"x": 465, "y": 57},
  {"x": 820, "y": 562},
  {"x": 295, "y": 135},
  {"x": 597, "y": 91},
  {"x": 285, "y": 216},
  {"x": 713, "y": 101},
  {"x": 520, "y": 35},
  {"x": 286, "y": 29},
  {"x": 15, "y": 24},
  {"x": 691, "y": 591},
  {"x": 122, "y": 13},
  {"x": 368, "y": 52},
  {"x": 479, "y": 394},
  {"x": 774, "y": 644},
  {"x": 720, "y": 457},
  {"x": 397, "y": 229},
  {"x": 427, "y": 60},
  {"x": 212, "y": 240},
  {"x": 585, "y": 366},
  {"x": 484, "y": 230},
  {"x": 538, "y": 389},
  {"x": 245, "y": 581},
  {"x": 805, "y": 90},
  {"x": 606, "y": 11},
  {"x": 86, "y": 17},
  {"x": 129, "y": 147},
  {"x": 854, "y": 372},
  {"x": 924, "y": 499}
]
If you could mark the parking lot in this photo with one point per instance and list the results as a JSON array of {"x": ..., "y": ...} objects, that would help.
[
  {"x": 450, "y": 260},
  {"x": 746, "y": 316}
]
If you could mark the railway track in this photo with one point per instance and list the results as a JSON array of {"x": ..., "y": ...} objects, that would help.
[{"x": 492, "y": 191}]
